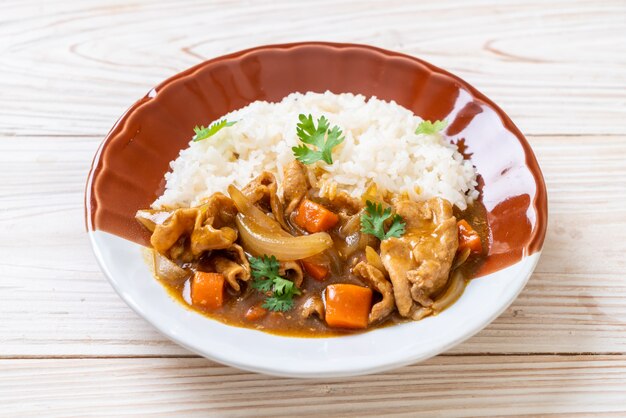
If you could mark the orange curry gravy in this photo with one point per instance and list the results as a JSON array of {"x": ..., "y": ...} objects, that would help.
[{"x": 290, "y": 323}]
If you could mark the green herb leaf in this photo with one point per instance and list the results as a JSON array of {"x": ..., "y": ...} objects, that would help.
[
  {"x": 282, "y": 286},
  {"x": 278, "y": 303},
  {"x": 427, "y": 127},
  {"x": 320, "y": 137},
  {"x": 262, "y": 285},
  {"x": 267, "y": 280},
  {"x": 264, "y": 266},
  {"x": 203, "y": 133},
  {"x": 373, "y": 222},
  {"x": 397, "y": 227}
]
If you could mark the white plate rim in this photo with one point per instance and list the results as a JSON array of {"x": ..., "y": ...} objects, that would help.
[{"x": 103, "y": 242}]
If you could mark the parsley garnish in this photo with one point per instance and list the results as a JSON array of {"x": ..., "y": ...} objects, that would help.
[
  {"x": 267, "y": 280},
  {"x": 203, "y": 133},
  {"x": 279, "y": 303},
  {"x": 427, "y": 127},
  {"x": 320, "y": 137},
  {"x": 373, "y": 222}
]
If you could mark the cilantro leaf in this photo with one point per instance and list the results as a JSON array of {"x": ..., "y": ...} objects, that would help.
[
  {"x": 306, "y": 155},
  {"x": 373, "y": 222},
  {"x": 203, "y": 133},
  {"x": 264, "y": 266},
  {"x": 427, "y": 127},
  {"x": 397, "y": 228},
  {"x": 321, "y": 138},
  {"x": 282, "y": 286},
  {"x": 262, "y": 285},
  {"x": 334, "y": 138},
  {"x": 267, "y": 279},
  {"x": 278, "y": 303}
]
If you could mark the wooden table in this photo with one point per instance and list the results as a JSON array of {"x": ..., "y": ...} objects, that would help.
[{"x": 70, "y": 347}]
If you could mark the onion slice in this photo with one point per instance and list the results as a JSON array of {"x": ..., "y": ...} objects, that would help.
[
  {"x": 259, "y": 240},
  {"x": 461, "y": 258},
  {"x": 373, "y": 258},
  {"x": 168, "y": 271},
  {"x": 151, "y": 218},
  {"x": 247, "y": 208},
  {"x": 453, "y": 292}
]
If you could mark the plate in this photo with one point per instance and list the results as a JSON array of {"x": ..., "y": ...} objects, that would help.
[{"x": 127, "y": 175}]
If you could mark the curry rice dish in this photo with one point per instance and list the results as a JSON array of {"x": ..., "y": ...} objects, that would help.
[{"x": 318, "y": 215}]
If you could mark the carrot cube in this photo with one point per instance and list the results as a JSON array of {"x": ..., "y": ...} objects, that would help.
[
  {"x": 314, "y": 217},
  {"x": 348, "y": 306},
  {"x": 468, "y": 237},
  {"x": 207, "y": 290}
]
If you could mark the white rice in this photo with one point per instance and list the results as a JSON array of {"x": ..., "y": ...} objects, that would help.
[{"x": 380, "y": 146}]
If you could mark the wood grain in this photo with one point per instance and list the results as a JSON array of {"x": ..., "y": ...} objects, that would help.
[
  {"x": 62, "y": 305},
  {"x": 554, "y": 69},
  {"x": 70, "y": 347},
  {"x": 445, "y": 386}
]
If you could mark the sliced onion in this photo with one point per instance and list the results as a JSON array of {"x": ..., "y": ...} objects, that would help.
[
  {"x": 352, "y": 244},
  {"x": 373, "y": 258},
  {"x": 334, "y": 259},
  {"x": 461, "y": 258},
  {"x": 453, "y": 292},
  {"x": 352, "y": 225},
  {"x": 151, "y": 218},
  {"x": 247, "y": 208},
  {"x": 168, "y": 271},
  {"x": 259, "y": 240}
]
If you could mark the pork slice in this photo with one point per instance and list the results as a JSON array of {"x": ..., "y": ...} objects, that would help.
[
  {"x": 233, "y": 272},
  {"x": 295, "y": 185},
  {"x": 291, "y": 270},
  {"x": 376, "y": 279},
  {"x": 262, "y": 191},
  {"x": 312, "y": 306},
  {"x": 209, "y": 226},
  {"x": 419, "y": 262}
]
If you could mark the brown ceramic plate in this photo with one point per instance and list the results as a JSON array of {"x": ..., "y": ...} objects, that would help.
[{"x": 127, "y": 175}]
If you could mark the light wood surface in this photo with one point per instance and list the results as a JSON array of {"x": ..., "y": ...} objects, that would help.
[
  {"x": 452, "y": 385},
  {"x": 70, "y": 347}
]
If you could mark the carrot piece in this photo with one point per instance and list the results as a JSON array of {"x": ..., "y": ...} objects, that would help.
[
  {"x": 347, "y": 305},
  {"x": 314, "y": 217},
  {"x": 468, "y": 237},
  {"x": 315, "y": 270},
  {"x": 255, "y": 312},
  {"x": 207, "y": 289}
]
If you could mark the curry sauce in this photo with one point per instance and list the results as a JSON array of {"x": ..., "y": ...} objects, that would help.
[{"x": 426, "y": 280}]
